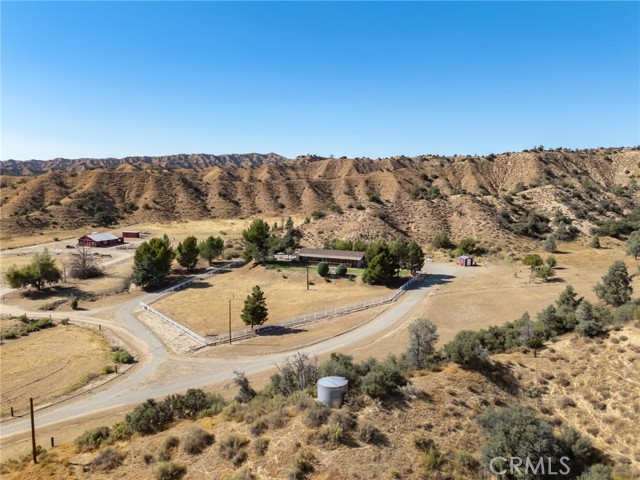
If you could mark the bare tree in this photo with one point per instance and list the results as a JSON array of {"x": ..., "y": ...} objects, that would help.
[
  {"x": 297, "y": 373},
  {"x": 84, "y": 265}
]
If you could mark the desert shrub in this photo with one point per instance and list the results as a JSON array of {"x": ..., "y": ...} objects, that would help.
[
  {"x": 296, "y": 373},
  {"x": 261, "y": 445},
  {"x": 91, "y": 439},
  {"x": 74, "y": 303},
  {"x": 323, "y": 269},
  {"x": 232, "y": 448},
  {"x": 441, "y": 240},
  {"x": 341, "y": 270},
  {"x": 373, "y": 197},
  {"x": 245, "y": 390},
  {"x": 595, "y": 241},
  {"x": 148, "y": 458},
  {"x": 196, "y": 440},
  {"x": 169, "y": 471},
  {"x": 108, "y": 459},
  {"x": 243, "y": 474},
  {"x": 532, "y": 260},
  {"x": 367, "y": 432},
  {"x": 108, "y": 370},
  {"x": 467, "y": 246},
  {"x": 551, "y": 261},
  {"x": 120, "y": 431},
  {"x": 531, "y": 225},
  {"x": 258, "y": 427},
  {"x": 303, "y": 463},
  {"x": 193, "y": 403},
  {"x": 318, "y": 214},
  {"x": 316, "y": 415},
  {"x": 615, "y": 287},
  {"x": 122, "y": 356},
  {"x": 598, "y": 471},
  {"x": 345, "y": 419},
  {"x": 383, "y": 379},
  {"x": 150, "y": 417},
  {"x": 550, "y": 244},
  {"x": 423, "y": 442},
  {"x": 466, "y": 349}
]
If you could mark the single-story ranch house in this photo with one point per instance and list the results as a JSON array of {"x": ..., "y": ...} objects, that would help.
[
  {"x": 332, "y": 257},
  {"x": 96, "y": 239}
]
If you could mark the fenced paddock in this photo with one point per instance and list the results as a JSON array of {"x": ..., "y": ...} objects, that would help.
[{"x": 292, "y": 322}]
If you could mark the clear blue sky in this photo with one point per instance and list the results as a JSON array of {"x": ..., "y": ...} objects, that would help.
[{"x": 89, "y": 79}]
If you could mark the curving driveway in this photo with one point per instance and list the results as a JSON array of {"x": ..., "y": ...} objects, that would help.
[{"x": 160, "y": 373}]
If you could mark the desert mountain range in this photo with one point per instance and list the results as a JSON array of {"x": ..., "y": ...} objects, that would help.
[{"x": 347, "y": 198}]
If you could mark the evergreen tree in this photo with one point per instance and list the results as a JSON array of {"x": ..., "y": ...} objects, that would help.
[
  {"x": 152, "y": 262},
  {"x": 415, "y": 258},
  {"x": 257, "y": 241},
  {"x": 615, "y": 288},
  {"x": 380, "y": 265},
  {"x": 255, "y": 310},
  {"x": 399, "y": 250},
  {"x": 633, "y": 244},
  {"x": 187, "y": 253},
  {"x": 422, "y": 341},
  {"x": 41, "y": 271},
  {"x": 211, "y": 248}
]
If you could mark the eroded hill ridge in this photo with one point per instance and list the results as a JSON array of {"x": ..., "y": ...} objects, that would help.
[{"x": 416, "y": 197}]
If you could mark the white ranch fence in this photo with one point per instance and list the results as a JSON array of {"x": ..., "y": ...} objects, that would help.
[{"x": 293, "y": 322}]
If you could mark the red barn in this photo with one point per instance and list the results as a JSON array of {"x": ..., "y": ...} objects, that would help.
[{"x": 96, "y": 239}]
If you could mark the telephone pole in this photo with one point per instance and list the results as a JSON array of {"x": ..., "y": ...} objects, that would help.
[
  {"x": 33, "y": 433},
  {"x": 307, "y": 278},
  {"x": 229, "y": 321}
]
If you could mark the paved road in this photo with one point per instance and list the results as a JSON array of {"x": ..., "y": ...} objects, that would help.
[{"x": 159, "y": 373}]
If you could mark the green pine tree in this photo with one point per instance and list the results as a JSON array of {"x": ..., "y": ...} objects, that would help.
[
  {"x": 255, "y": 310},
  {"x": 187, "y": 253}
]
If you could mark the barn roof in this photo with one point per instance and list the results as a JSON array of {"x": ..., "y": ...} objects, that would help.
[
  {"x": 101, "y": 237},
  {"x": 331, "y": 254}
]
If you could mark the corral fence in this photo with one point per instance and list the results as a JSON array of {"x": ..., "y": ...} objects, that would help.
[
  {"x": 308, "y": 318},
  {"x": 293, "y": 322}
]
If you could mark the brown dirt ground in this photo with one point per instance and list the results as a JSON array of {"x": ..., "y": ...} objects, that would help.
[
  {"x": 204, "y": 306},
  {"x": 65, "y": 355}
]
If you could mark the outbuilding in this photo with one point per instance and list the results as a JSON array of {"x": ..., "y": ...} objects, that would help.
[
  {"x": 131, "y": 234},
  {"x": 96, "y": 239},
  {"x": 332, "y": 257},
  {"x": 465, "y": 261}
]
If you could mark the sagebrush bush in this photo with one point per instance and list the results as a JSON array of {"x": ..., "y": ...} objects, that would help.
[
  {"x": 150, "y": 417},
  {"x": 261, "y": 445},
  {"x": 316, "y": 415},
  {"x": 169, "y": 471},
  {"x": 367, "y": 432},
  {"x": 232, "y": 448},
  {"x": 91, "y": 439},
  {"x": 345, "y": 419},
  {"x": 121, "y": 356},
  {"x": 196, "y": 440},
  {"x": 108, "y": 459}
]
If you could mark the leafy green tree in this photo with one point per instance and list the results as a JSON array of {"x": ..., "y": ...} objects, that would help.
[
  {"x": 588, "y": 323},
  {"x": 530, "y": 336},
  {"x": 441, "y": 240},
  {"x": 514, "y": 431},
  {"x": 187, "y": 253},
  {"x": 633, "y": 244},
  {"x": 323, "y": 269},
  {"x": 399, "y": 249},
  {"x": 466, "y": 349},
  {"x": 257, "y": 240},
  {"x": 615, "y": 288},
  {"x": 467, "y": 246},
  {"x": 41, "y": 271},
  {"x": 211, "y": 248},
  {"x": 104, "y": 218},
  {"x": 255, "y": 310},
  {"x": 422, "y": 340},
  {"x": 532, "y": 260},
  {"x": 551, "y": 323},
  {"x": 544, "y": 272},
  {"x": 152, "y": 262}
]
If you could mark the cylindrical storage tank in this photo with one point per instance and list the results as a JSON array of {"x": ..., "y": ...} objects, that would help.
[{"x": 332, "y": 391}]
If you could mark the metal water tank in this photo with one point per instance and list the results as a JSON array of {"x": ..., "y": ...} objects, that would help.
[{"x": 332, "y": 391}]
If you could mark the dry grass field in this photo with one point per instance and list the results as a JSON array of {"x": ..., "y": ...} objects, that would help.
[
  {"x": 48, "y": 364},
  {"x": 204, "y": 306}
]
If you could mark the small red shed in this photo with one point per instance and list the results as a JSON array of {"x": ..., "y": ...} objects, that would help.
[
  {"x": 131, "y": 234},
  {"x": 465, "y": 261}
]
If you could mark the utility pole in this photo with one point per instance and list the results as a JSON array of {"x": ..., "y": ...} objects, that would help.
[
  {"x": 229, "y": 321},
  {"x": 33, "y": 432},
  {"x": 307, "y": 278}
]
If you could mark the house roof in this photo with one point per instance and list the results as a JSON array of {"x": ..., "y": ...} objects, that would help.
[
  {"x": 330, "y": 254},
  {"x": 465, "y": 257},
  {"x": 101, "y": 237}
]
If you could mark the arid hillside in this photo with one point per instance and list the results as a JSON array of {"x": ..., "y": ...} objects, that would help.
[
  {"x": 464, "y": 196},
  {"x": 429, "y": 431}
]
